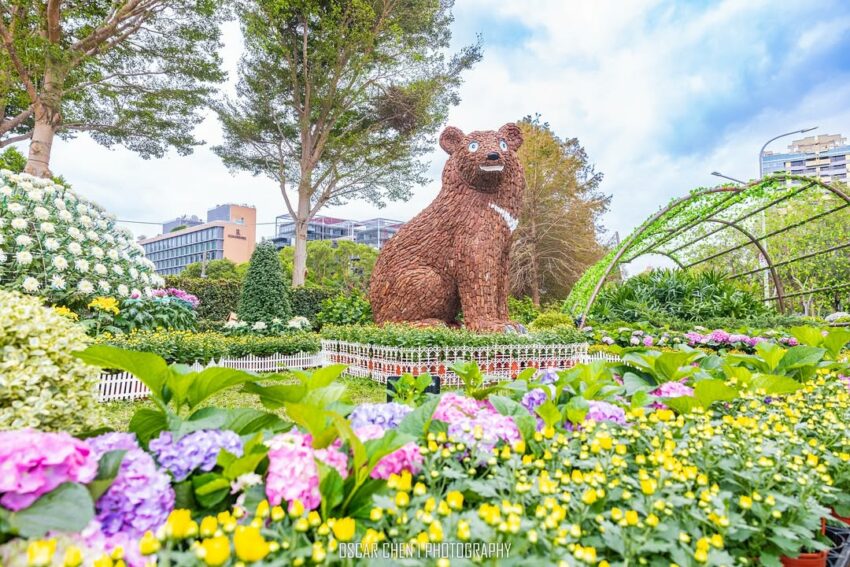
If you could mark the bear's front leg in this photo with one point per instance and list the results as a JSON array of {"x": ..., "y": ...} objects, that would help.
[{"x": 481, "y": 285}]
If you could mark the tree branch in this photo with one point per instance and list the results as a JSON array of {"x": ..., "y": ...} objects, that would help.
[
  {"x": 9, "y": 43},
  {"x": 12, "y": 123}
]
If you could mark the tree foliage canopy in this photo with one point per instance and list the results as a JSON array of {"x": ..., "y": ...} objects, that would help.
[
  {"x": 340, "y": 264},
  {"x": 557, "y": 236}
]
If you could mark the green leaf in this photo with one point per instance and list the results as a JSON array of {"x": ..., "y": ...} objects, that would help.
[
  {"x": 527, "y": 374},
  {"x": 149, "y": 368},
  {"x": 709, "y": 391},
  {"x": 667, "y": 364},
  {"x": 507, "y": 406},
  {"x": 835, "y": 341},
  {"x": 325, "y": 376},
  {"x": 244, "y": 421},
  {"x": 210, "y": 489},
  {"x": 107, "y": 470},
  {"x": 274, "y": 397},
  {"x": 418, "y": 421},
  {"x": 682, "y": 405},
  {"x": 147, "y": 423},
  {"x": 639, "y": 399},
  {"x": 634, "y": 383},
  {"x": 549, "y": 412},
  {"x": 330, "y": 488},
  {"x": 774, "y": 385},
  {"x": 527, "y": 425},
  {"x": 801, "y": 357},
  {"x": 67, "y": 508},
  {"x": 809, "y": 336},
  {"x": 577, "y": 409},
  {"x": 771, "y": 353},
  {"x": 315, "y": 421},
  {"x": 207, "y": 382}
]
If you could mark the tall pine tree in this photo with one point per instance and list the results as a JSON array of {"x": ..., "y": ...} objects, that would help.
[{"x": 265, "y": 295}]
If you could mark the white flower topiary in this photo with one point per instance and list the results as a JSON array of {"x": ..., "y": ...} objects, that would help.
[
  {"x": 60, "y": 246},
  {"x": 41, "y": 384}
]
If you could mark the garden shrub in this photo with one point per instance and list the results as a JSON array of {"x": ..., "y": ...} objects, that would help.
[
  {"x": 406, "y": 336},
  {"x": 218, "y": 297},
  {"x": 186, "y": 347},
  {"x": 659, "y": 295},
  {"x": 307, "y": 301},
  {"x": 60, "y": 246},
  {"x": 345, "y": 309},
  {"x": 148, "y": 314},
  {"x": 42, "y": 385},
  {"x": 522, "y": 310},
  {"x": 265, "y": 295},
  {"x": 551, "y": 319}
]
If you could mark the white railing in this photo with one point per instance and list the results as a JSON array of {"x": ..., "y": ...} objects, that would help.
[
  {"x": 501, "y": 362},
  {"x": 125, "y": 386}
]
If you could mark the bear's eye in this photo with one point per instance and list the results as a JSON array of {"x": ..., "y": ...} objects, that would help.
[
  {"x": 504, "y": 145},
  {"x": 473, "y": 146}
]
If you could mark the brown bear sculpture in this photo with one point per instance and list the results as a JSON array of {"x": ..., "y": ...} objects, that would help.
[{"x": 454, "y": 255}]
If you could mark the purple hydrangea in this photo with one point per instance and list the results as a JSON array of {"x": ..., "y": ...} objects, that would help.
[
  {"x": 719, "y": 336},
  {"x": 674, "y": 389},
  {"x": 387, "y": 415},
  {"x": 647, "y": 341},
  {"x": 533, "y": 399},
  {"x": 197, "y": 450},
  {"x": 548, "y": 376},
  {"x": 604, "y": 411},
  {"x": 176, "y": 293},
  {"x": 693, "y": 338},
  {"x": 140, "y": 498}
]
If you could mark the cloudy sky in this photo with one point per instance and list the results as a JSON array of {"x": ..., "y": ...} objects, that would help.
[{"x": 660, "y": 93}]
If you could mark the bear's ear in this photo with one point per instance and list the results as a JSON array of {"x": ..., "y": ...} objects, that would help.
[
  {"x": 511, "y": 133},
  {"x": 451, "y": 139}
]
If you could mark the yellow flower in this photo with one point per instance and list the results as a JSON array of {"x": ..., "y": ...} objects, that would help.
[
  {"x": 104, "y": 561},
  {"x": 652, "y": 520},
  {"x": 278, "y": 513},
  {"x": 402, "y": 499},
  {"x": 632, "y": 518},
  {"x": 262, "y": 509},
  {"x": 180, "y": 524},
  {"x": 250, "y": 544},
  {"x": 375, "y": 514},
  {"x": 319, "y": 552},
  {"x": 65, "y": 312},
  {"x": 148, "y": 545},
  {"x": 216, "y": 550},
  {"x": 40, "y": 552},
  {"x": 344, "y": 529},
  {"x": 589, "y": 496},
  {"x": 208, "y": 526},
  {"x": 455, "y": 500},
  {"x": 105, "y": 304},
  {"x": 648, "y": 486},
  {"x": 745, "y": 502},
  {"x": 463, "y": 531},
  {"x": 73, "y": 557},
  {"x": 296, "y": 508}
]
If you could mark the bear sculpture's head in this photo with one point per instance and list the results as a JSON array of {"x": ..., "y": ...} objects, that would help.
[{"x": 483, "y": 159}]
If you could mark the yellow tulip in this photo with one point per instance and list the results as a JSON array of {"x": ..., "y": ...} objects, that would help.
[
  {"x": 250, "y": 544},
  {"x": 148, "y": 545},
  {"x": 216, "y": 550},
  {"x": 208, "y": 526},
  {"x": 73, "y": 557},
  {"x": 180, "y": 525},
  {"x": 344, "y": 529},
  {"x": 40, "y": 552}
]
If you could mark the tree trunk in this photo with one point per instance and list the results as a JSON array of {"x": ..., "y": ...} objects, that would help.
[
  {"x": 38, "y": 161},
  {"x": 299, "y": 261},
  {"x": 48, "y": 118}
]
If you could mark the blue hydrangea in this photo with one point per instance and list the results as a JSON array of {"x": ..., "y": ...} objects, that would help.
[
  {"x": 387, "y": 415},
  {"x": 197, "y": 450}
]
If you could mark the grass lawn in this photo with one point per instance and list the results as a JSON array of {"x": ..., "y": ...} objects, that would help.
[{"x": 360, "y": 390}]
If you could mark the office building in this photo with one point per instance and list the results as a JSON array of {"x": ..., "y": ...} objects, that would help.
[
  {"x": 826, "y": 157},
  {"x": 374, "y": 232},
  {"x": 230, "y": 232},
  {"x": 180, "y": 222}
]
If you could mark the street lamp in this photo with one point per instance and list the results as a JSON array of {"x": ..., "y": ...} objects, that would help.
[
  {"x": 761, "y": 153},
  {"x": 718, "y": 174}
]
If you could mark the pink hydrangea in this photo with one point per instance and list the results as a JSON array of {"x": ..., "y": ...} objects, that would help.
[
  {"x": 475, "y": 423},
  {"x": 293, "y": 473},
  {"x": 454, "y": 407},
  {"x": 33, "y": 463},
  {"x": 406, "y": 458},
  {"x": 673, "y": 389}
]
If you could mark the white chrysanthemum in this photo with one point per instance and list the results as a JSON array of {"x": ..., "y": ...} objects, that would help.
[
  {"x": 30, "y": 284},
  {"x": 15, "y": 208},
  {"x": 118, "y": 269},
  {"x": 92, "y": 235},
  {"x": 51, "y": 244},
  {"x": 59, "y": 203},
  {"x": 41, "y": 213},
  {"x": 75, "y": 233},
  {"x": 6, "y": 191},
  {"x": 23, "y": 258},
  {"x": 134, "y": 273},
  {"x": 82, "y": 208},
  {"x": 259, "y": 326},
  {"x": 146, "y": 279},
  {"x": 60, "y": 263},
  {"x": 108, "y": 238},
  {"x": 57, "y": 282},
  {"x": 81, "y": 265},
  {"x": 18, "y": 223},
  {"x": 3, "y": 257},
  {"x": 104, "y": 285},
  {"x": 75, "y": 249},
  {"x": 125, "y": 255},
  {"x": 112, "y": 254},
  {"x": 135, "y": 292},
  {"x": 85, "y": 286},
  {"x": 158, "y": 281},
  {"x": 123, "y": 290},
  {"x": 65, "y": 216},
  {"x": 85, "y": 220},
  {"x": 148, "y": 292},
  {"x": 23, "y": 240},
  {"x": 100, "y": 269},
  {"x": 47, "y": 228},
  {"x": 96, "y": 251},
  {"x": 36, "y": 195}
]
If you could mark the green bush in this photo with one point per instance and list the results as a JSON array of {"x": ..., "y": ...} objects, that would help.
[
  {"x": 42, "y": 385},
  {"x": 406, "y": 336},
  {"x": 342, "y": 309},
  {"x": 550, "y": 320},
  {"x": 265, "y": 294},
  {"x": 186, "y": 347},
  {"x": 661, "y": 295},
  {"x": 218, "y": 297},
  {"x": 307, "y": 301},
  {"x": 145, "y": 313},
  {"x": 522, "y": 310}
]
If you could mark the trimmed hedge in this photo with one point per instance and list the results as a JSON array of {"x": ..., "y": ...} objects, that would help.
[
  {"x": 265, "y": 294},
  {"x": 307, "y": 301},
  {"x": 405, "y": 336},
  {"x": 186, "y": 347},
  {"x": 219, "y": 297}
]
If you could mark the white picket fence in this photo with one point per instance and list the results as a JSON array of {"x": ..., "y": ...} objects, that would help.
[
  {"x": 500, "y": 362},
  {"x": 375, "y": 362},
  {"x": 125, "y": 386}
]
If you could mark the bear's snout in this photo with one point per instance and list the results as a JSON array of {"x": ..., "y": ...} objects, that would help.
[{"x": 492, "y": 156}]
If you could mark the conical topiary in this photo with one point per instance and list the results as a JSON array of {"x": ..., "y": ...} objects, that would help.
[{"x": 265, "y": 295}]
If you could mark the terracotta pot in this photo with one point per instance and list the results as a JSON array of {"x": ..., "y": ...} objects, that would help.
[
  {"x": 844, "y": 519},
  {"x": 806, "y": 560}
]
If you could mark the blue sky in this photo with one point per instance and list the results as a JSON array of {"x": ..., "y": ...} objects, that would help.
[{"x": 659, "y": 93}]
